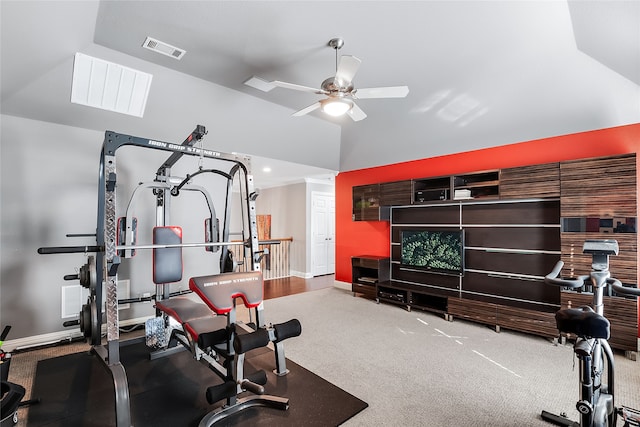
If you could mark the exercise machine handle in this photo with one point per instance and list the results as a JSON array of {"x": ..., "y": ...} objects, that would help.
[
  {"x": 552, "y": 278},
  {"x": 622, "y": 290}
]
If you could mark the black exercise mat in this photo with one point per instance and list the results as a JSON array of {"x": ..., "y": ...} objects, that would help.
[{"x": 77, "y": 390}]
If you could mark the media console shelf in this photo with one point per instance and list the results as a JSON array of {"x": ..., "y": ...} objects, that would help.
[
  {"x": 476, "y": 186},
  {"x": 515, "y": 223},
  {"x": 502, "y": 316},
  {"x": 366, "y": 272},
  {"x": 411, "y": 297}
]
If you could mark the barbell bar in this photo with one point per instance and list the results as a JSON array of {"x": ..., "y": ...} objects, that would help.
[{"x": 86, "y": 249}]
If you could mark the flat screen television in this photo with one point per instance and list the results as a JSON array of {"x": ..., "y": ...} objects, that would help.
[{"x": 433, "y": 250}]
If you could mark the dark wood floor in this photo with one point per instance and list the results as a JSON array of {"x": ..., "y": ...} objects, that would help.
[{"x": 275, "y": 288}]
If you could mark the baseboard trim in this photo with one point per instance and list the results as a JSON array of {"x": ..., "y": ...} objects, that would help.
[
  {"x": 56, "y": 337},
  {"x": 342, "y": 285},
  {"x": 301, "y": 274}
]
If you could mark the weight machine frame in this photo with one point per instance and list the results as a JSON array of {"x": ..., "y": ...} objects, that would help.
[{"x": 106, "y": 240}]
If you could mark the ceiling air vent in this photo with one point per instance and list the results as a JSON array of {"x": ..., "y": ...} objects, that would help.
[
  {"x": 163, "y": 48},
  {"x": 109, "y": 86}
]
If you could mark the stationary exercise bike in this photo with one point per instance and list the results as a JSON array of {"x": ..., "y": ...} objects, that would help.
[{"x": 592, "y": 329}]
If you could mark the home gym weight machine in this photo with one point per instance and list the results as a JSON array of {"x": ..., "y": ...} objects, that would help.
[
  {"x": 112, "y": 232},
  {"x": 592, "y": 329}
]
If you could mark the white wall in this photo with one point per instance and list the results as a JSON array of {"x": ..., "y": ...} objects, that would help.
[
  {"x": 287, "y": 207},
  {"x": 290, "y": 210},
  {"x": 48, "y": 180}
]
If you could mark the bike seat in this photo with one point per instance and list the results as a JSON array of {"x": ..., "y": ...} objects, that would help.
[{"x": 583, "y": 322}]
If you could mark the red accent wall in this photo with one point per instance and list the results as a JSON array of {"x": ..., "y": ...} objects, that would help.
[{"x": 372, "y": 237}]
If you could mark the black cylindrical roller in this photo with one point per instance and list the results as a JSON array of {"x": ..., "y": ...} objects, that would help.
[
  {"x": 221, "y": 391},
  {"x": 289, "y": 329},
  {"x": 259, "y": 377},
  {"x": 245, "y": 342},
  {"x": 252, "y": 387},
  {"x": 209, "y": 339}
]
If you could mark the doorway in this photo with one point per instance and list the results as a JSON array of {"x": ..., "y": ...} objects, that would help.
[{"x": 323, "y": 245}]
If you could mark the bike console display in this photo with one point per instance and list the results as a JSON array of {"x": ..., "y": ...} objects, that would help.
[{"x": 600, "y": 247}]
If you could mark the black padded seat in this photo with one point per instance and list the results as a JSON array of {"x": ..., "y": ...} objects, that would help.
[
  {"x": 583, "y": 322},
  {"x": 184, "y": 309},
  {"x": 198, "y": 320},
  {"x": 208, "y": 331}
]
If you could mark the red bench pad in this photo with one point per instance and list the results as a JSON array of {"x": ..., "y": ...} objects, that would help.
[{"x": 218, "y": 291}]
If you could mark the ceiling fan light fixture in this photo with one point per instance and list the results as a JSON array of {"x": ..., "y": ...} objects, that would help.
[{"x": 336, "y": 106}]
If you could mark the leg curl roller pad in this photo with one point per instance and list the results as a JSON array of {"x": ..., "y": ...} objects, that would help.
[
  {"x": 289, "y": 329},
  {"x": 282, "y": 331},
  {"x": 221, "y": 391},
  {"x": 252, "y": 387},
  {"x": 246, "y": 342},
  {"x": 259, "y": 377}
]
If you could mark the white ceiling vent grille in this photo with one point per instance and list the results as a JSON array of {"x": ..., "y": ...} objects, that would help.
[
  {"x": 109, "y": 86},
  {"x": 163, "y": 48}
]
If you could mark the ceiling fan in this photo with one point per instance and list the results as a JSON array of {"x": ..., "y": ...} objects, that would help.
[{"x": 339, "y": 89}]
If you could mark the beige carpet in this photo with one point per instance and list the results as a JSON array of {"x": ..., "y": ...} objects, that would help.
[{"x": 415, "y": 368}]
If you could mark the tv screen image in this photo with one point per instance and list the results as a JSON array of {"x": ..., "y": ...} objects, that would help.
[{"x": 437, "y": 250}]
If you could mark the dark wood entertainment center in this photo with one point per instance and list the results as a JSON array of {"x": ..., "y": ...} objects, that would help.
[{"x": 516, "y": 224}]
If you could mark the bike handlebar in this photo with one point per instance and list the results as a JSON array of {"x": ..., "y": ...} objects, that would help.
[
  {"x": 578, "y": 282},
  {"x": 552, "y": 278},
  {"x": 623, "y": 290}
]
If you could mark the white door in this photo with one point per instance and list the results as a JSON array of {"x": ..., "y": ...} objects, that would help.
[{"x": 323, "y": 245}]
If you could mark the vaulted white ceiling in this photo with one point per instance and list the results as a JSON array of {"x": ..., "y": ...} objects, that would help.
[{"x": 480, "y": 73}]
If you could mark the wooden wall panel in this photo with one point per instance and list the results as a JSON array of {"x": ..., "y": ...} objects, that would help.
[
  {"x": 366, "y": 203},
  {"x": 511, "y": 291},
  {"x": 497, "y": 315},
  {"x": 530, "y": 321},
  {"x": 475, "y": 311},
  {"x": 533, "y": 213},
  {"x": 623, "y": 266},
  {"x": 601, "y": 187},
  {"x": 535, "y": 238},
  {"x": 533, "y": 264},
  {"x": 396, "y": 193},
  {"x": 530, "y": 181},
  {"x": 433, "y": 214}
]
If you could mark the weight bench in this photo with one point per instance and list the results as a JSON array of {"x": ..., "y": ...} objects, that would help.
[{"x": 209, "y": 332}]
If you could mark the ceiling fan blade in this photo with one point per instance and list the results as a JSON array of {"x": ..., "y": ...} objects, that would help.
[
  {"x": 265, "y": 86},
  {"x": 259, "y": 83},
  {"x": 381, "y": 92},
  {"x": 356, "y": 113},
  {"x": 307, "y": 110},
  {"x": 298, "y": 87},
  {"x": 347, "y": 68}
]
